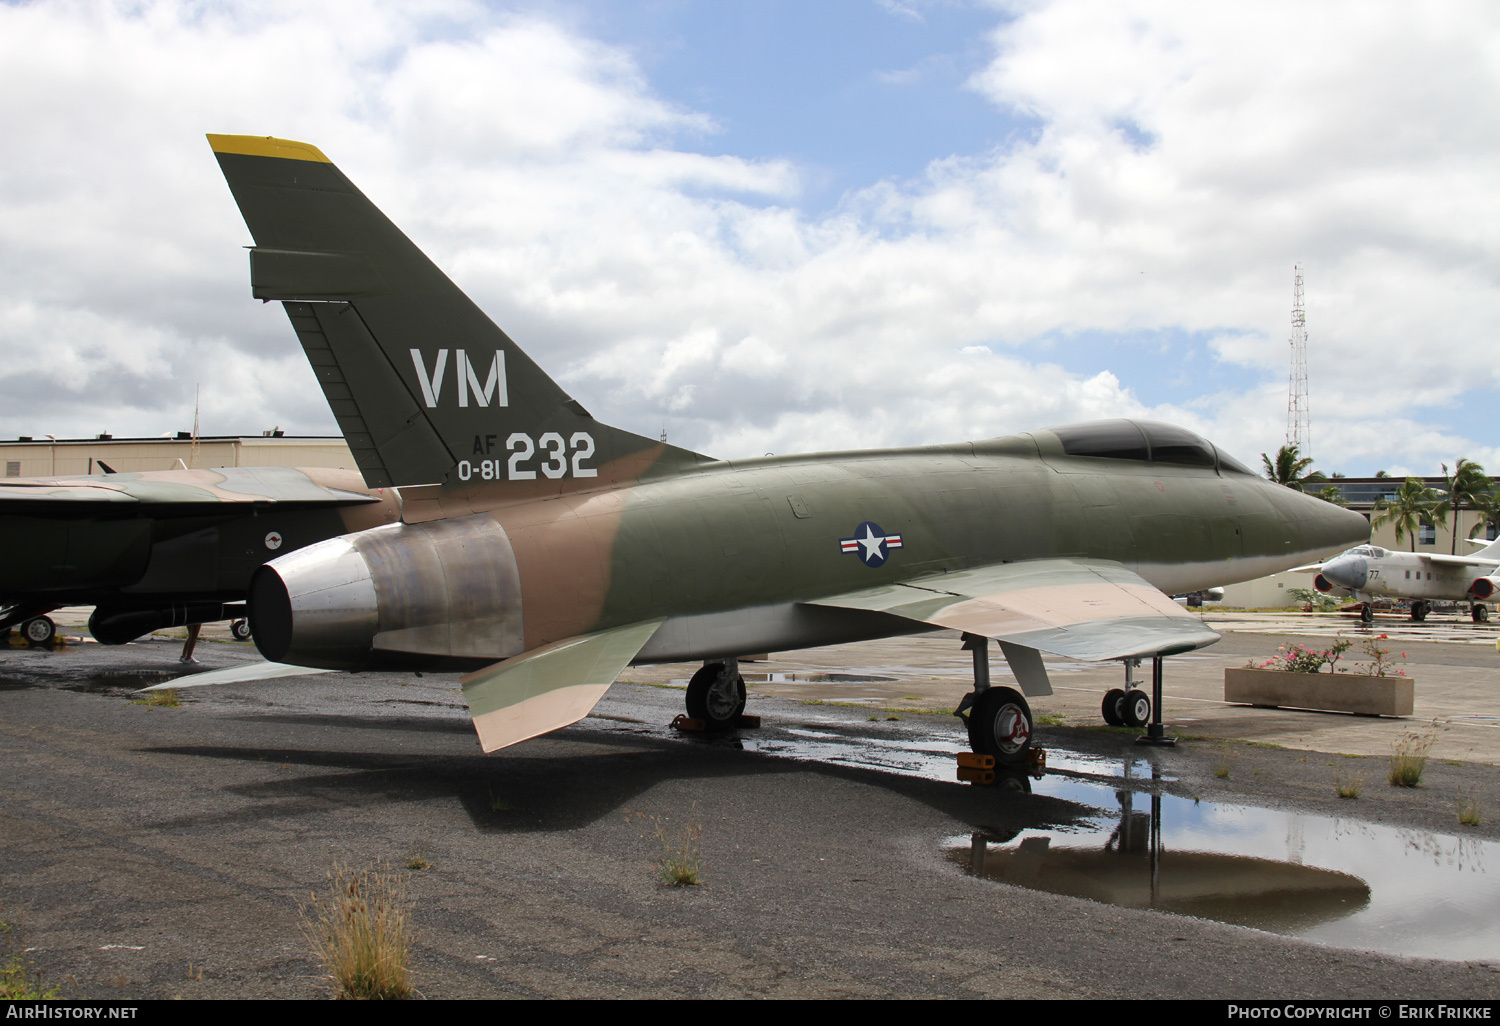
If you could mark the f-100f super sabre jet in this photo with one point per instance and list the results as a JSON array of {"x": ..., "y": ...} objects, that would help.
[{"x": 543, "y": 551}]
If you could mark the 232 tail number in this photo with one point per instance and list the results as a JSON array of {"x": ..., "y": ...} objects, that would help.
[{"x": 554, "y": 459}]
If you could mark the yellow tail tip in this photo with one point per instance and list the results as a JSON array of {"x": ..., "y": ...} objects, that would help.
[{"x": 266, "y": 146}]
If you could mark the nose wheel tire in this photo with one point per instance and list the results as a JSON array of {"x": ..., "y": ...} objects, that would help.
[
  {"x": 240, "y": 629},
  {"x": 39, "y": 630},
  {"x": 1111, "y": 708},
  {"x": 1135, "y": 709},
  {"x": 1366, "y": 613},
  {"x": 716, "y": 696},
  {"x": 1000, "y": 725}
]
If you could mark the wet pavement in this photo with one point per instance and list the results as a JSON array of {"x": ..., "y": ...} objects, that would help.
[{"x": 840, "y": 856}]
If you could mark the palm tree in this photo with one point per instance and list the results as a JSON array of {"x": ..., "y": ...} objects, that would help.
[
  {"x": 1288, "y": 468},
  {"x": 1468, "y": 486},
  {"x": 1413, "y": 505}
]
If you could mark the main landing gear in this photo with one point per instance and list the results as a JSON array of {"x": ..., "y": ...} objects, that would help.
[
  {"x": 1366, "y": 613},
  {"x": 1419, "y": 611},
  {"x": 716, "y": 695},
  {"x": 1480, "y": 612},
  {"x": 999, "y": 720}
]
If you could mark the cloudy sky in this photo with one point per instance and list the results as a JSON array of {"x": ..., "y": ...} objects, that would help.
[{"x": 771, "y": 226}]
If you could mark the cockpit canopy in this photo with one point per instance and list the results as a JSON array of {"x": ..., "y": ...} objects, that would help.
[
  {"x": 1147, "y": 441},
  {"x": 1368, "y": 551}
]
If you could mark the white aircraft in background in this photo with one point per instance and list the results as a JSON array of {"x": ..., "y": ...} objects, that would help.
[{"x": 1368, "y": 572}]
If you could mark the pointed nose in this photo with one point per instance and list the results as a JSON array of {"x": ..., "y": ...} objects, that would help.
[{"x": 1349, "y": 572}]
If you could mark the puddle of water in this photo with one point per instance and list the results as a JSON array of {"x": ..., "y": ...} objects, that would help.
[{"x": 1334, "y": 881}]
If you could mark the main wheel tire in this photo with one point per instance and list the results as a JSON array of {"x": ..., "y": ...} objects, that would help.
[
  {"x": 240, "y": 630},
  {"x": 39, "y": 630},
  {"x": 1418, "y": 612},
  {"x": 1000, "y": 725},
  {"x": 1135, "y": 709},
  {"x": 1480, "y": 613},
  {"x": 715, "y": 697},
  {"x": 1111, "y": 707},
  {"x": 1367, "y": 613}
]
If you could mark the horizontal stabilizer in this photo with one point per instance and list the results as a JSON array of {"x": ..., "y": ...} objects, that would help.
[
  {"x": 1080, "y": 608},
  {"x": 551, "y": 686},
  {"x": 237, "y": 675}
]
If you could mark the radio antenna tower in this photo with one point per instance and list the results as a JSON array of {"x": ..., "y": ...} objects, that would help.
[{"x": 1298, "y": 431}]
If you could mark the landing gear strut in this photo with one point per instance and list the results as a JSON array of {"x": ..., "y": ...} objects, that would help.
[
  {"x": 1156, "y": 733},
  {"x": 999, "y": 719}
]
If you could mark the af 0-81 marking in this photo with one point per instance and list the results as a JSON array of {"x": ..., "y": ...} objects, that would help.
[
  {"x": 523, "y": 448},
  {"x": 468, "y": 383}
]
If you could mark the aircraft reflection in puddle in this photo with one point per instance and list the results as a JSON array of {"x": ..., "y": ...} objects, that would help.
[
  {"x": 1133, "y": 870},
  {"x": 1335, "y": 881}
]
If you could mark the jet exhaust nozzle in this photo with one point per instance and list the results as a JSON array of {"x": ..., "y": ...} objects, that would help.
[
  {"x": 1483, "y": 587},
  {"x": 439, "y": 595}
]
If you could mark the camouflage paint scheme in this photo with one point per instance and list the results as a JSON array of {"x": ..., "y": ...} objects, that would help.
[
  {"x": 637, "y": 551},
  {"x": 167, "y": 545}
]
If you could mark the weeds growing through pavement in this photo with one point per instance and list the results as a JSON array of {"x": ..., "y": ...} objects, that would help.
[
  {"x": 1348, "y": 784},
  {"x": 1409, "y": 757},
  {"x": 159, "y": 699},
  {"x": 20, "y": 979},
  {"x": 498, "y": 803},
  {"x": 679, "y": 863},
  {"x": 1469, "y": 811},
  {"x": 1222, "y": 770},
  {"x": 361, "y": 931}
]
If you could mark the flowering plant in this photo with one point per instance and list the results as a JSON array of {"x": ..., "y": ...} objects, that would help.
[
  {"x": 1380, "y": 659},
  {"x": 1300, "y": 659}
]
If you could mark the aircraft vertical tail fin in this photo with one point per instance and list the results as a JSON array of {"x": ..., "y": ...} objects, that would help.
[{"x": 426, "y": 388}]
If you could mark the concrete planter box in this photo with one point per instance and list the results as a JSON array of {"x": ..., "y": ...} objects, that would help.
[{"x": 1333, "y": 692}]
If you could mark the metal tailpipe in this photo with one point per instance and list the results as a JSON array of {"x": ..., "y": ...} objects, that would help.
[{"x": 440, "y": 595}]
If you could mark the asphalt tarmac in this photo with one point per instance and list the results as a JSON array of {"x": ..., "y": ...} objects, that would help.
[{"x": 159, "y": 852}]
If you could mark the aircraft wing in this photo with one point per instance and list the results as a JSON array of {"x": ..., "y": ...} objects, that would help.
[
  {"x": 551, "y": 686},
  {"x": 164, "y": 492},
  {"x": 1436, "y": 557},
  {"x": 1081, "y": 608}
]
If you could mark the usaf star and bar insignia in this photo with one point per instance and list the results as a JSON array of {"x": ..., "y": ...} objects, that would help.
[{"x": 871, "y": 544}]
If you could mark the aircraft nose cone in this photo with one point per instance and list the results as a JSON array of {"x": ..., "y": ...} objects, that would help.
[{"x": 1348, "y": 572}]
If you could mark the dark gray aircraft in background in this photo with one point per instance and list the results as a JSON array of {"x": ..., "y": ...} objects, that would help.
[{"x": 544, "y": 551}]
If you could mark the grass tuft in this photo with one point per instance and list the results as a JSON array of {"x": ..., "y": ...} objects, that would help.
[
  {"x": 1409, "y": 757},
  {"x": 361, "y": 931},
  {"x": 1222, "y": 770},
  {"x": 1469, "y": 811},
  {"x": 1348, "y": 785},
  {"x": 680, "y": 863},
  {"x": 159, "y": 699},
  {"x": 20, "y": 980},
  {"x": 497, "y": 802}
]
